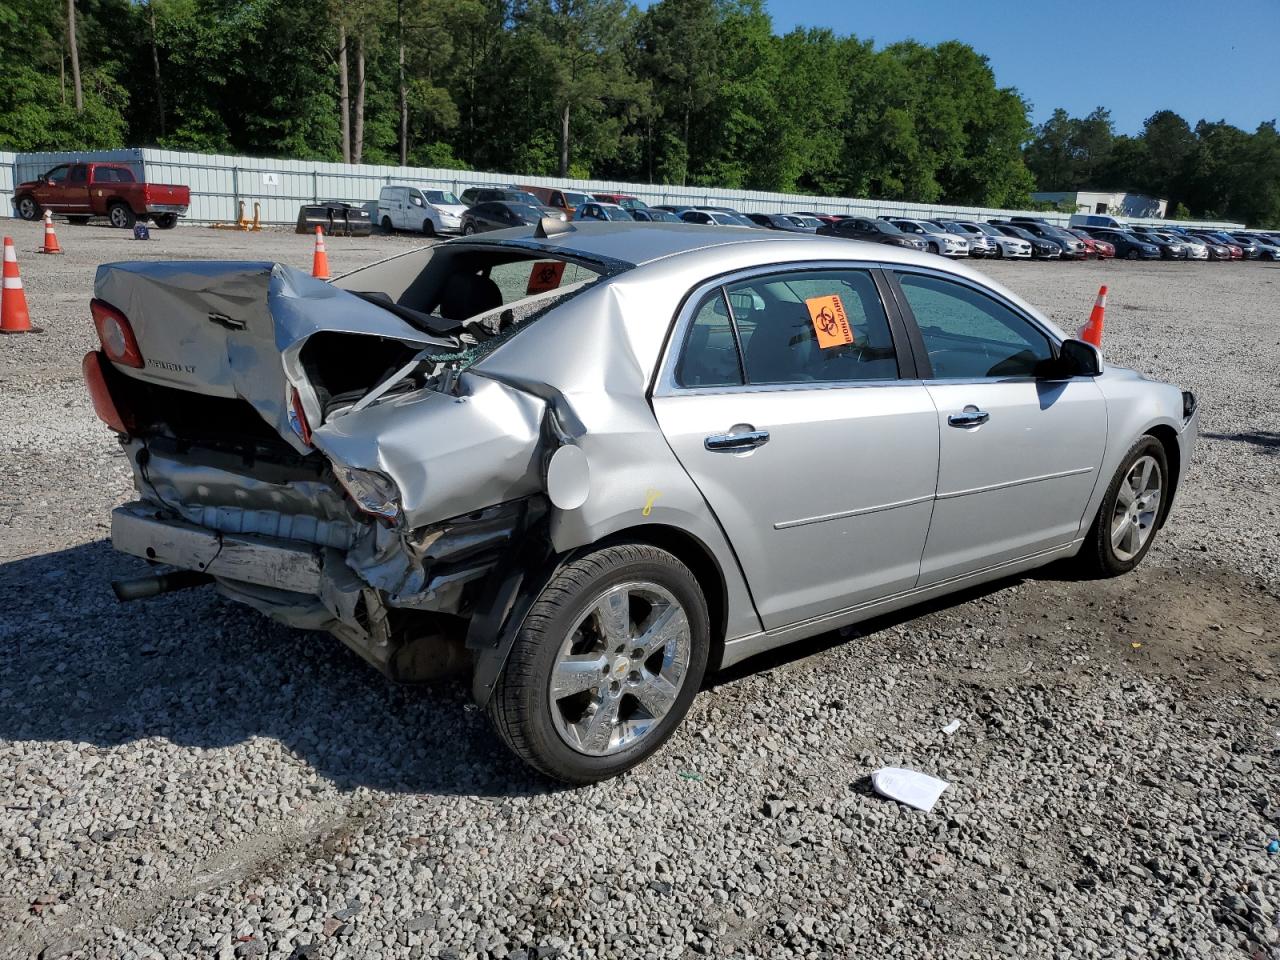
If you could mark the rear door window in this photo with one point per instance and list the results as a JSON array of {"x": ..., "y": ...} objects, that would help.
[
  {"x": 813, "y": 326},
  {"x": 710, "y": 357}
]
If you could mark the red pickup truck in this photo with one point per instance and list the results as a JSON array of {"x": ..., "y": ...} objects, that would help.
[{"x": 79, "y": 191}]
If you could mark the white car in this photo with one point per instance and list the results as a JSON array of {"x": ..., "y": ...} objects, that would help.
[
  {"x": 419, "y": 211},
  {"x": 936, "y": 240},
  {"x": 1004, "y": 246}
]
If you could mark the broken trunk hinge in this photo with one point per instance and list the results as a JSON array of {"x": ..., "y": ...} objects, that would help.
[{"x": 449, "y": 377}]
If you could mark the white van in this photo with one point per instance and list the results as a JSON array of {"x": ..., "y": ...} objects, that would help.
[
  {"x": 1096, "y": 220},
  {"x": 419, "y": 210}
]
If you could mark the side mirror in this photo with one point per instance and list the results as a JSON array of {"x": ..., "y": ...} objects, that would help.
[{"x": 1075, "y": 359}]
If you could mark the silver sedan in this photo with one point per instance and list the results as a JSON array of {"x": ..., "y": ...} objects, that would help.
[{"x": 590, "y": 463}]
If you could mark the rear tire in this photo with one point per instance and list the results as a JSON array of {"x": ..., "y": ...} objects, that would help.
[
  {"x": 28, "y": 209},
  {"x": 121, "y": 216},
  {"x": 165, "y": 221},
  {"x": 1130, "y": 513},
  {"x": 608, "y": 669}
]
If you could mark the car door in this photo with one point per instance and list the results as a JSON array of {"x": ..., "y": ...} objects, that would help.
[
  {"x": 416, "y": 210},
  {"x": 789, "y": 397},
  {"x": 1018, "y": 453},
  {"x": 75, "y": 194},
  {"x": 51, "y": 188}
]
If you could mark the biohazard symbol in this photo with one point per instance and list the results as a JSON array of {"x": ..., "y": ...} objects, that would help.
[
  {"x": 830, "y": 322},
  {"x": 545, "y": 275}
]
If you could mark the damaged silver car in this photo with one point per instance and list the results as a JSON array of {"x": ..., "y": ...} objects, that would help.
[{"x": 590, "y": 463}]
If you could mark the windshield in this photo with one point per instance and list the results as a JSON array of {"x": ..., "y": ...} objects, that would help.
[
  {"x": 519, "y": 196},
  {"x": 525, "y": 210},
  {"x": 576, "y": 199},
  {"x": 443, "y": 197},
  {"x": 989, "y": 230},
  {"x": 884, "y": 226},
  {"x": 615, "y": 213},
  {"x": 810, "y": 221},
  {"x": 663, "y": 216}
]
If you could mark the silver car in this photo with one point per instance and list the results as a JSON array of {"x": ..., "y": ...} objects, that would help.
[{"x": 591, "y": 462}]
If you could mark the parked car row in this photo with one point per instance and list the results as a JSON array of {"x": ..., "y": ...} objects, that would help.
[{"x": 480, "y": 209}]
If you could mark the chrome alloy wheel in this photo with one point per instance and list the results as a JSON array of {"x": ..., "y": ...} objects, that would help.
[
  {"x": 620, "y": 669},
  {"x": 1137, "y": 504}
]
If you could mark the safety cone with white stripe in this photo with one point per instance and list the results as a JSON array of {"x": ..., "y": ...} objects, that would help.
[
  {"x": 50, "y": 238},
  {"x": 14, "y": 317},
  {"x": 320, "y": 261},
  {"x": 1091, "y": 332}
]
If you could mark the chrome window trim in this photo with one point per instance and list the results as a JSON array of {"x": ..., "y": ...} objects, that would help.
[{"x": 666, "y": 385}]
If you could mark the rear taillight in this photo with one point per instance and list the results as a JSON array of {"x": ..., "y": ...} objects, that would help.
[
  {"x": 298, "y": 417},
  {"x": 104, "y": 405},
  {"x": 116, "y": 335}
]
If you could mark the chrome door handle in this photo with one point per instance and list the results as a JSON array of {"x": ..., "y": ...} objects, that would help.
[
  {"x": 730, "y": 442},
  {"x": 970, "y": 418}
]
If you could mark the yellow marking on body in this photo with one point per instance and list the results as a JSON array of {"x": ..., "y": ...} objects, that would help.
[{"x": 652, "y": 495}]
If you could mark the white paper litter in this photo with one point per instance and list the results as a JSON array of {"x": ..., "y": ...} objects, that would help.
[
  {"x": 911, "y": 787},
  {"x": 951, "y": 727}
]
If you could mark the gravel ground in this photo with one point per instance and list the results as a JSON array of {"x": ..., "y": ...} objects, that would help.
[{"x": 190, "y": 780}]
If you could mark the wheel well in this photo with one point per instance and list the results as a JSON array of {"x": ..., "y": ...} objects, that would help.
[
  {"x": 1169, "y": 440},
  {"x": 693, "y": 553}
]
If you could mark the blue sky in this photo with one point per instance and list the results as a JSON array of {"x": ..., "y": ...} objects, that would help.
[{"x": 1131, "y": 56}]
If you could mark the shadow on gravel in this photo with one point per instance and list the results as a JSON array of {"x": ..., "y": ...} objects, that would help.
[
  {"x": 1269, "y": 442},
  {"x": 201, "y": 671},
  {"x": 793, "y": 652}
]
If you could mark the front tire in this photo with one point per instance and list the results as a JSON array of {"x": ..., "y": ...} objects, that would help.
[
  {"x": 429, "y": 227},
  {"x": 469, "y": 229},
  {"x": 121, "y": 216},
  {"x": 1126, "y": 524},
  {"x": 28, "y": 209},
  {"x": 606, "y": 664},
  {"x": 386, "y": 225}
]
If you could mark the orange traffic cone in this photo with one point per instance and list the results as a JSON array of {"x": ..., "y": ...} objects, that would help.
[
  {"x": 320, "y": 262},
  {"x": 50, "y": 238},
  {"x": 14, "y": 317},
  {"x": 1091, "y": 332}
]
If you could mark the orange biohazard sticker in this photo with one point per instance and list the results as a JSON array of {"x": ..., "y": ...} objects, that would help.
[
  {"x": 830, "y": 322},
  {"x": 545, "y": 275}
]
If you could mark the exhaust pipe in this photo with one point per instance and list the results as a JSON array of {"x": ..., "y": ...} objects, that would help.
[{"x": 139, "y": 588}]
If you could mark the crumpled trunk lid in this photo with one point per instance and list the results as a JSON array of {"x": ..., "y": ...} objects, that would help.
[{"x": 235, "y": 329}]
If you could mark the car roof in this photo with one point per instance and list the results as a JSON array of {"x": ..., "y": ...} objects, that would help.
[{"x": 638, "y": 243}]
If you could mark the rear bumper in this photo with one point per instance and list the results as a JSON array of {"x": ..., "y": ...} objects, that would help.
[{"x": 138, "y": 529}]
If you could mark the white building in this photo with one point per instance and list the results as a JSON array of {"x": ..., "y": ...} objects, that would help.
[{"x": 1117, "y": 204}]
